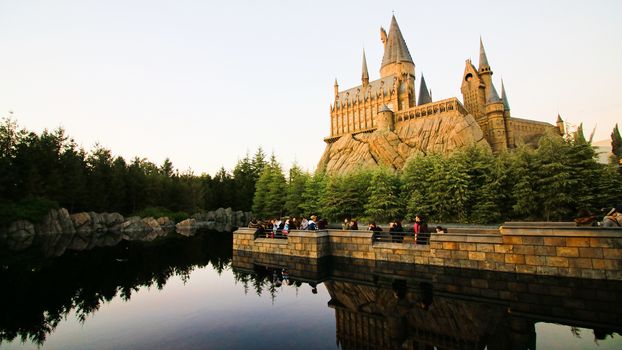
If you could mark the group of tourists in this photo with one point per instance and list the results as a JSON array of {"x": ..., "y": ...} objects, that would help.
[{"x": 280, "y": 228}]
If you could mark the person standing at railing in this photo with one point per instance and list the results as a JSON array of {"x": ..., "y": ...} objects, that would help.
[
  {"x": 346, "y": 224},
  {"x": 304, "y": 224},
  {"x": 353, "y": 225},
  {"x": 421, "y": 230},
  {"x": 397, "y": 231},
  {"x": 286, "y": 227},
  {"x": 312, "y": 225},
  {"x": 372, "y": 227}
]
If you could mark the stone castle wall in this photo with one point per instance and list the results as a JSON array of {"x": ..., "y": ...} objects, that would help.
[{"x": 594, "y": 253}]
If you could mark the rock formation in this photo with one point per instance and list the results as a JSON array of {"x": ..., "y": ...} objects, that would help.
[
  {"x": 393, "y": 148},
  {"x": 59, "y": 231}
]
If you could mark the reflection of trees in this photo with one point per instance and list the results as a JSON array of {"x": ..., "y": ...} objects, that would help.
[
  {"x": 264, "y": 278},
  {"x": 36, "y": 295}
]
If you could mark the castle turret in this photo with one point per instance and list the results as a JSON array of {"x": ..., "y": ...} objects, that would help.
[
  {"x": 396, "y": 59},
  {"x": 365, "y": 73},
  {"x": 384, "y": 119},
  {"x": 336, "y": 89},
  {"x": 472, "y": 89},
  {"x": 497, "y": 135},
  {"x": 506, "y": 117},
  {"x": 424, "y": 94},
  {"x": 485, "y": 73},
  {"x": 560, "y": 125},
  {"x": 484, "y": 67}
]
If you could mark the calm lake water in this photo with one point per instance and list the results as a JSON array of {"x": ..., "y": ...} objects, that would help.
[{"x": 195, "y": 293}]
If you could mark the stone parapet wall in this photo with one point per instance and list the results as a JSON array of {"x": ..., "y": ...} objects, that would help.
[{"x": 554, "y": 250}]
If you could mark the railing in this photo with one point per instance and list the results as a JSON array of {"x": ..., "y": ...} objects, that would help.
[
  {"x": 401, "y": 237},
  {"x": 269, "y": 233}
]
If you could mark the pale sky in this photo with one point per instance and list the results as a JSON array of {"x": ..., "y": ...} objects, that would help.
[{"x": 204, "y": 82}]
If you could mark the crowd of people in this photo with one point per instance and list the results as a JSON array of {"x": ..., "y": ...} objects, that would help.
[{"x": 281, "y": 227}]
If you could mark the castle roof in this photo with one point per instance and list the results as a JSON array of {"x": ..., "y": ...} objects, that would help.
[
  {"x": 424, "y": 94},
  {"x": 559, "y": 118},
  {"x": 493, "y": 96},
  {"x": 483, "y": 60},
  {"x": 504, "y": 97},
  {"x": 383, "y": 84},
  {"x": 365, "y": 73},
  {"x": 395, "y": 49}
]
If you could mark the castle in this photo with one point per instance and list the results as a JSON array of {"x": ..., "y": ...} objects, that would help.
[{"x": 382, "y": 122}]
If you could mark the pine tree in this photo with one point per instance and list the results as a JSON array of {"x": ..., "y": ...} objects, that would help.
[
  {"x": 616, "y": 143},
  {"x": 523, "y": 193},
  {"x": 275, "y": 197},
  {"x": 314, "y": 191},
  {"x": 261, "y": 193},
  {"x": 384, "y": 199},
  {"x": 609, "y": 187},
  {"x": 295, "y": 189},
  {"x": 555, "y": 182},
  {"x": 415, "y": 179},
  {"x": 487, "y": 208},
  {"x": 244, "y": 182}
]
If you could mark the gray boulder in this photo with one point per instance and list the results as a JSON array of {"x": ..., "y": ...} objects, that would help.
[
  {"x": 55, "y": 232},
  {"x": 19, "y": 236}
]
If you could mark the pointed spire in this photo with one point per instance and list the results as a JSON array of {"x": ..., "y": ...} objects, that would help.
[
  {"x": 504, "y": 97},
  {"x": 559, "y": 118},
  {"x": 424, "y": 94},
  {"x": 365, "y": 73},
  {"x": 395, "y": 47},
  {"x": 336, "y": 84},
  {"x": 493, "y": 96},
  {"x": 483, "y": 60}
]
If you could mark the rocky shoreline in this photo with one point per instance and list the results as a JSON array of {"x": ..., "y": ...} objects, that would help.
[{"x": 60, "y": 231}]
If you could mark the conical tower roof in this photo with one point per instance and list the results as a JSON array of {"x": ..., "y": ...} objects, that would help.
[
  {"x": 559, "y": 118},
  {"x": 493, "y": 96},
  {"x": 483, "y": 60},
  {"x": 424, "y": 94},
  {"x": 395, "y": 49},
  {"x": 365, "y": 73},
  {"x": 504, "y": 97}
]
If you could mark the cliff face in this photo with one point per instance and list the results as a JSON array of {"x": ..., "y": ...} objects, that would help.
[{"x": 437, "y": 134}]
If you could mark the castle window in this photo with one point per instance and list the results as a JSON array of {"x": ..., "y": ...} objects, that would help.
[{"x": 468, "y": 77}]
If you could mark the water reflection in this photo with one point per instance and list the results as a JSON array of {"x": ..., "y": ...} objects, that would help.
[
  {"x": 380, "y": 305},
  {"x": 39, "y": 293},
  {"x": 369, "y": 305}
]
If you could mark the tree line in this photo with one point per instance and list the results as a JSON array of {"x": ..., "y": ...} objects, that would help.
[
  {"x": 558, "y": 180},
  {"x": 553, "y": 181},
  {"x": 40, "y": 171}
]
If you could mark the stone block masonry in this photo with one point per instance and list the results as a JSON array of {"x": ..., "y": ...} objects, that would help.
[{"x": 528, "y": 248}]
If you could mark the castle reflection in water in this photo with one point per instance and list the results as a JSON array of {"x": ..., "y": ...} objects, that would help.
[{"x": 383, "y": 305}]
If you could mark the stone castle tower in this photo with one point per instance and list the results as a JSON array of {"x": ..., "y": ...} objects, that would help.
[{"x": 381, "y": 122}]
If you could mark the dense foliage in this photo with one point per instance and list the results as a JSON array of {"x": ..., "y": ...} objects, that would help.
[
  {"x": 553, "y": 182},
  {"x": 41, "y": 171}
]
